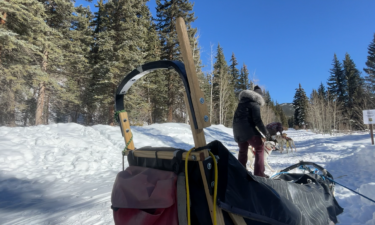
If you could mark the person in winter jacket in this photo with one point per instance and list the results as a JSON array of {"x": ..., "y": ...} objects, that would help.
[
  {"x": 246, "y": 126},
  {"x": 274, "y": 127}
]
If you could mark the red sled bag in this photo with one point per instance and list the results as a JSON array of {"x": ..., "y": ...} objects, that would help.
[{"x": 145, "y": 196}]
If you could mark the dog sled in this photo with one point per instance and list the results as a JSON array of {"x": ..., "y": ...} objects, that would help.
[{"x": 207, "y": 184}]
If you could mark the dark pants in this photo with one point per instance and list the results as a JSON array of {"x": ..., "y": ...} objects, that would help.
[{"x": 257, "y": 143}]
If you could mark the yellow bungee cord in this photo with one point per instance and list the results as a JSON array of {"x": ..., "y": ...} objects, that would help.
[{"x": 187, "y": 186}]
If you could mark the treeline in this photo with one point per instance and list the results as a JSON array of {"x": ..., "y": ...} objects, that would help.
[
  {"x": 225, "y": 82},
  {"x": 61, "y": 63},
  {"x": 339, "y": 105}
]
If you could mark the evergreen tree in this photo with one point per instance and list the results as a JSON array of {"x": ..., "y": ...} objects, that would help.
[
  {"x": 155, "y": 87},
  {"x": 370, "y": 70},
  {"x": 300, "y": 105},
  {"x": 267, "y": 98},
  {"x": 322, "y": 91},
  {"x": 223, "y": 91},
  {"x": 120, "y": 40},
  {"x": 167, "y": 11},
  {"x": 24, "y": 36},
  {"x": 355, "y": 93},
  {"x": 291, "y": 121},
  {"x": 244, "y": 83},
  {"x": 75, "y": 97},
  {"x": 354, "y": 80},
  {"x": 337, "y": 82},
  {"x": 61, "y": 17},
  {"x": 280, "y": 114},
  {"x": 234, "y": 72},
  {"x": 98, "y": 24}
]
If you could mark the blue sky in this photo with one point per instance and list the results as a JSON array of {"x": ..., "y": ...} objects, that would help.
[{"x": 285, "y": 42}]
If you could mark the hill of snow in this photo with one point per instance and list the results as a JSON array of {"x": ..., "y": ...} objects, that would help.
[{"x": 63, "y": 173}]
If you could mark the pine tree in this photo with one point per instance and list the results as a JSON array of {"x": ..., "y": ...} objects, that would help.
[
  {"x": 355, "y": 93},
  {"x": 167, "y": 11},
  {"x": 267, "y": 98},
  {"x": 337, "y": 82},
  {"x": 300, "y": 105},
  {"x": 280, "y": 114},
  {"x": 354, "y": 79},
  {"x": 59, "y": 17},
  {"x": 234, "y": 72},
  {"x": 370, "y": 70},
  {"x": 93, "y": 91},
  {"x": 120, "y": 40},
  {"x": 73, "y": 100},
  {"x": 291, "y": 121},
  {"x": 322, "y": 91},
  {"x": 223, "y": 91},
  {"x": 155, "y": 87},
  {"x": 22, "y": 36},
  {"x": 244, "y": 83}
]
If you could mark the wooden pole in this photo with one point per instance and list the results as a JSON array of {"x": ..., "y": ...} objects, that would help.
[
  {"x": 201, "y": 113},
  {"x": 372, "y": 134},
  {"x": 126, "y": 131}
]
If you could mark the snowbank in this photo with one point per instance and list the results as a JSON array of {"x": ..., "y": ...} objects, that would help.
[{"x": 63, "y": 173}]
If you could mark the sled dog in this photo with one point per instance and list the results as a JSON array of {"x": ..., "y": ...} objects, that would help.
[
  {"x": 269, "y": 146},
  {"x": 280, "y": 141},
  {"x": 289, "y": 143}
]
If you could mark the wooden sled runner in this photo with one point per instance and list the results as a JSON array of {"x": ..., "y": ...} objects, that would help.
[{"x": 205, "y": 185}]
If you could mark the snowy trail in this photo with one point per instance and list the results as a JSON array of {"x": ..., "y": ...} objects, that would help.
[{"x": 63, "y": 173}]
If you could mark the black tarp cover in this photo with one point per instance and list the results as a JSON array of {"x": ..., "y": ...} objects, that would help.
[
  {"x": 273, "y": 201},
  {"x": 289, "y": 199}
]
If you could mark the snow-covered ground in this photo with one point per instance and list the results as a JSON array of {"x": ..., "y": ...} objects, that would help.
[{"x": 63, "y": 173}]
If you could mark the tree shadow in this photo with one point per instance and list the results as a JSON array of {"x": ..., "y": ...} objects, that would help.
[
  {"x": 21, "y": 200},
  {"x": 210, "y": 133},
  {"x": 168, "y": 140}
]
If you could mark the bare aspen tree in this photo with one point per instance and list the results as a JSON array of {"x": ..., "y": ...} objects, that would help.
[
  {"x": 223, "y": 94},
  {"x": 211, "y": 81}
]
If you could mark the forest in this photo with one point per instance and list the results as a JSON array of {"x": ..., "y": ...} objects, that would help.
[{"x": 62, "y": 63}]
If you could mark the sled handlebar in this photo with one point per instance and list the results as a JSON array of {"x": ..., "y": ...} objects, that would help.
[{"x": 139, "y": 72}]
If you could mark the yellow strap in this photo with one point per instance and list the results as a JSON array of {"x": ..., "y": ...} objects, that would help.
[
  {"x": 187, "y": 185},
  {"x": 215, "y": 186}
]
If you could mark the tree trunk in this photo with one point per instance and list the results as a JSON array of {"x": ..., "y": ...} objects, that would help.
[
  {"x": 170, "y": 98},
  {"x": 75, "y": 116},
  {"x": 149, "y": 103},
  {"x": 111, "y": 109},
  {"x": 46, "y": 115},
  {"x": 3, "y": 20},
  {"x": 12, "y": 118},
  {"x": 111, "y": 113},
  {"x": 12, "y": 111},
  {"x": 212, "y": 87},
  {"x": 40, "y": 105},
  {"x": 25, "y": 118},
  {"x": 40, "y": 101}
]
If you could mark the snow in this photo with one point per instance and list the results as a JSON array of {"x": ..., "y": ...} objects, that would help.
[{"x": 63, "y": 173}]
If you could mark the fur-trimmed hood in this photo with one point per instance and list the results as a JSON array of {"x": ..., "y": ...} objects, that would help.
[{"x": 252, "y": 95}]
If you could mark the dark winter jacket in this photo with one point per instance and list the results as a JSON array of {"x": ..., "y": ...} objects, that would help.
[
  {"x": 247, "y": 116},
  {"x": 274, "y": 127}
]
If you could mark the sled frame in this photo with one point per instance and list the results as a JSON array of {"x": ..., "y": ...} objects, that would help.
[{"x": 195, "y": 104}]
